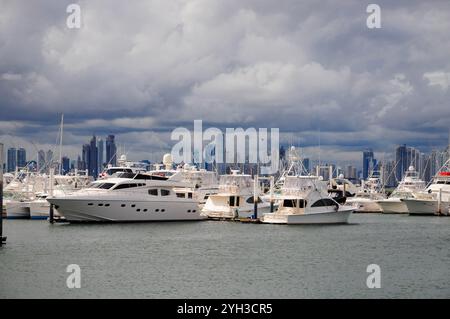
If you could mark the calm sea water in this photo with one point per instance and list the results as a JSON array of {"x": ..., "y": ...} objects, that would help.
[{"x": 228, "y": 260}]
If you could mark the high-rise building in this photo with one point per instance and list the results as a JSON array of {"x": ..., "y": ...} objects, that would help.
[
  {"x": 85, "y": 156},
  {"x": 406, "y": 157},
  {"x": 65, "y": 165},
  {"x": 41, "y": 160},
  {"x": 21, "y": 157},
  {"x": 12, "y": 159},
  {"x": 93, "y": 158},
  {"x": 306, "y": 165},
  {"x": 369, "y": 163},
  {"x": 49, "y": 158},
  {"x": 111, "y": 156},
  {"x": 100, "y": 147}
]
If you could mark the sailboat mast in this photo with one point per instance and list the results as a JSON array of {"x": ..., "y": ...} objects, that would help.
[{"x": 60, "y": 144}]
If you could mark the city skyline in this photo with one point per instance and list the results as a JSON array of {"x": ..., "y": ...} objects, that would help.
[{"x": 327, "y": 80}]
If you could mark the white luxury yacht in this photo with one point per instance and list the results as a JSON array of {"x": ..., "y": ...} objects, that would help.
[
  {"x": 365, "y": 200},
  {"x": 128, "y": 197},
  {"x": 304, "y": 200},
  {"x": 410, "y": 185},
  {"x": 235, "y": 198},
  {"x": 435, "y": 200}
]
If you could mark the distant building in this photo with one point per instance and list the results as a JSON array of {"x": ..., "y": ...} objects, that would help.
[
  {"x": 21, "y": 157},
  {"x": 306, "y": 165},
  {"x": 369, "y": 163},
  {"x": 65, "y": 165},
  {"x": 85, "y": 156},
  {"x": 93, "y": 158},
  {"x": 406, "y": 157},
  {"x": 12, "y": 159},
  {"x": 111, "y": 156},
  {"x": 100, "y": 147},
  {"x": 49, "y": 158},
  {"x": 41, "y": 160}
]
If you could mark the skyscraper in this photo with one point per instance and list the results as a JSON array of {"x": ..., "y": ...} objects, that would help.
[
  {"x": 41, "y": 160},
  {"x": 100, "y": 154},
  {"x": 21, "y": 157},
  {"x": 369, "y": 163},
  {"x": 49, "y": 158},
  {"x": 93, "y": 158},
  {"x": 12, "y": 159},
  {"x": 85, "y": 156},
  {"x": 111, "y": 156},
  {"x": 65, "y": 165}
]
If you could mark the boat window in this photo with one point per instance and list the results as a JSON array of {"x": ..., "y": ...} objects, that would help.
[
  {"x": 105, "y": 185},
  {"x": 440, "y": 182},
  {"x": 231, "y": 201},
  {"x": 180, "y": 195},
  {"x": 206, "y": 197},
  {"x": 165, "y": 192},
  {"x": 189, "y": 195},
  {"x": 302, "y": 203},
  {"x": 237, "y": 200},
  {"x": 250, "y": 200},
  {"x": 289, "y": 203},
  {"x": 153, "y": 192},
  {"x": 122, "y": 186},
  {"x": 324, "y": 202}
]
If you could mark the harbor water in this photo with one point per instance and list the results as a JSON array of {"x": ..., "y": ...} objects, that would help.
[{"x": 214, "y": 259}]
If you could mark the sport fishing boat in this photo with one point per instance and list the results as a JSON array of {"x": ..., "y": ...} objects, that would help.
[
  {"x": 410, "y": 185},
  {"x": 435, "y": 200},
  {"x": 366, "y": 199},
  {"x": 305, "y": 200},
  {"x": 235, "y": 198},
  {"x": 128, "y": 197}
]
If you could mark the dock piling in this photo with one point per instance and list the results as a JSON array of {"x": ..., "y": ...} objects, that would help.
[{"x": 2, "y": 239}]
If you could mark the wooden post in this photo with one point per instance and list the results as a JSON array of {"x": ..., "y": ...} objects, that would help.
[
  {"x": 271, "y": 193},
  {"x": 255, "y": 197},
  {"x": 2, "y": 239},
  {"x": 51, "y": 213}
]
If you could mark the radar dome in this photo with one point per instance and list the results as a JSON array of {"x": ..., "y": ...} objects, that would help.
[{"x": 167, "y": 159}]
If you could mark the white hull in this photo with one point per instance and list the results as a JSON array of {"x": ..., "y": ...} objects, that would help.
[
  {"x": 390, "y": 206},
  {"x": 79, "y": 210},
  {"x": 232, "y": 213},
  {"x": 331, "y": 217},
  {"x": 428, "y": 207},
  {"x": 41, "y": 210},
  {"x": 17, "y": 210},
  {"x": 364, "y": 205}
]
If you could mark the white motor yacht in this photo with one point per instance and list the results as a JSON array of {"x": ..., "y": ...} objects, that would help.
[
  {"x": 304, "y": 200},
  {"x": 366, "y": 199},
  {"x": 235, "y": 198},
  {"x": 410, "y": 185},
  {"x": 128, "y": 198},
  {"x": 435, "y": 200}
]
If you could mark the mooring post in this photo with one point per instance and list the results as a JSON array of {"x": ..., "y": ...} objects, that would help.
[
  {"x": 51, "y": 213},
  {"x": 2, "y": 239},
  {"x": 255, "y": 197},
  {"x": 271, "y": 193}
]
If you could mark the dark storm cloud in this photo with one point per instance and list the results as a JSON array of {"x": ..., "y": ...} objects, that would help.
[{"x": 139, "y": 69}]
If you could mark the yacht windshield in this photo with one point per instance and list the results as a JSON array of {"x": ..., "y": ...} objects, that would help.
[{"x": 101, "y": 185}]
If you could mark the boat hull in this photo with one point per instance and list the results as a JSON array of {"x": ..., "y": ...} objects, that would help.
[
  {"x": 425, "y": 207},
  {"x": 73, "y": 210},
  {"x": 393, "y": 207},
  {"x": 364, "y": 206},
  {"x": 339, "y": 217},
  {"x": 17, "y": 210}
]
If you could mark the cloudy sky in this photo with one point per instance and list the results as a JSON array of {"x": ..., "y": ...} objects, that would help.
[{"x": 139, "y": 69}]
